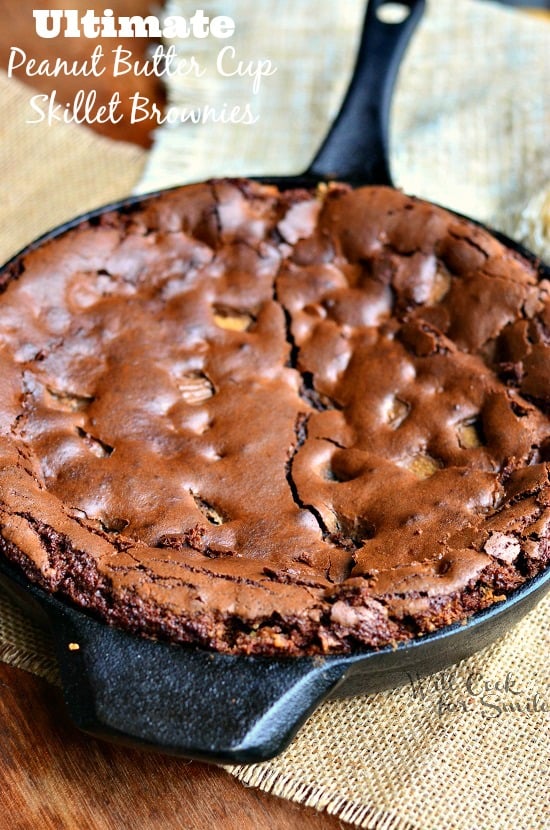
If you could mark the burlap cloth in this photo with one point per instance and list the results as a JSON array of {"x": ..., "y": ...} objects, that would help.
[{"x": 469, "y": 749}]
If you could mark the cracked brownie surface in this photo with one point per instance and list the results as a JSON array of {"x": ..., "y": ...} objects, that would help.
[{"x": 276, "y": 423}]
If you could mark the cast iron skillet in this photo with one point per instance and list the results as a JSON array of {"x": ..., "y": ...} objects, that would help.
[{"x": 238, "y": 709}]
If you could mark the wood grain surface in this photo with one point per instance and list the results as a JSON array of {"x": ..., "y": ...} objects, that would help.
[{"x": 51, "y": 776}]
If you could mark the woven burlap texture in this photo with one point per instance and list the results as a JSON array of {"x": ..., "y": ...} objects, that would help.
[
  {"x": 452, "y": 754},
  {"x": 51, "y": 173},
  {"x": 471, "y": 114},
  {"x": 449, "y": 753}
]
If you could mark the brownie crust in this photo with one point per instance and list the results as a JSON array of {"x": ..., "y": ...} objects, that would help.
[{"x": 272, "y": 422}]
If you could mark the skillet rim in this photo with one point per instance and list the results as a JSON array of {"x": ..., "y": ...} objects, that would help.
[{"x": 308, "y": 181}]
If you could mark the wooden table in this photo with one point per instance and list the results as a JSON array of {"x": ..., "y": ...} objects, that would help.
[{"x": 51, "y": 776}]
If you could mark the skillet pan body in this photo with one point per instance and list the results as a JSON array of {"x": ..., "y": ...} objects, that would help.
[{"x": 240, "y": 709}]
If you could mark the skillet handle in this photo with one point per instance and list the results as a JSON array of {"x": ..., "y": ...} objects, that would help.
[
  {"x": 208, "y": 706},
  {"x": 356, "y": 147}
]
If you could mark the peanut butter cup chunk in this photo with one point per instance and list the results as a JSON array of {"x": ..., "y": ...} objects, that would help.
[{"x": 270, "y": 422}]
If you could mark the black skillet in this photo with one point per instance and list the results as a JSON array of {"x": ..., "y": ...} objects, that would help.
[{"x": 236, "y": 709}]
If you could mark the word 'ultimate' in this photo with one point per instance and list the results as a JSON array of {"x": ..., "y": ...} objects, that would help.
[{"x": 71, "y": 23}]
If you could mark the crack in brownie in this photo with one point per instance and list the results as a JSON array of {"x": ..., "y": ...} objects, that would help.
[{"x": 274, "y": 422}]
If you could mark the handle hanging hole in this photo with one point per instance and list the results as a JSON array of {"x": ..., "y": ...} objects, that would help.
[{"x": 393, "y": 13}]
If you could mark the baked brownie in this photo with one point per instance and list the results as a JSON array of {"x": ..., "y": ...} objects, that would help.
[{"x": 276, "y": 422}]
